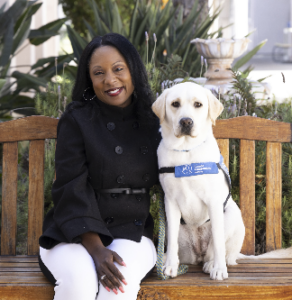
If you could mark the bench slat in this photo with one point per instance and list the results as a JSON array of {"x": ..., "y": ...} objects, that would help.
[
  {"x": 28, "y": 128},
  {"x": 35, "y": 195},
  {"x": 9, "y": 199},
  {"x": 247, "y": 193},
  {"x": 251, "y": 128},
  {"x": 273, "y": 196},
  {"x": 223, "y": 145}
]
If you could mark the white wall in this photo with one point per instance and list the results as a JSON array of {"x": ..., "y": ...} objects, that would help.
[
  {"x": 269, "y": 18},
  {"x": 234, "y": 14}
]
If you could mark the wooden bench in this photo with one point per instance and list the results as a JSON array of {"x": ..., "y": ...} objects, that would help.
[{"x": 21, "y": 278}]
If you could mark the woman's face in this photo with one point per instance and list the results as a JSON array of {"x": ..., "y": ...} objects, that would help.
[{"x": 111, "y": 77}]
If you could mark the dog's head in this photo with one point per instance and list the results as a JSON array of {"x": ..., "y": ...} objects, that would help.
[{"x": 187, "y": 108}]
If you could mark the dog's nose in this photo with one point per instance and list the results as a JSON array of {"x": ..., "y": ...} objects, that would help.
[{"x": 186, "y": 122}]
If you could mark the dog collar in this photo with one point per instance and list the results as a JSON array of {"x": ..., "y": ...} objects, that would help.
[{"x": 188, "y": 149}]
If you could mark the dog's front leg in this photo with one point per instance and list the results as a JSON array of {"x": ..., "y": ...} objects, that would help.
[
  {"x": 219, "y": 271},
  {"x": 173, "y": 215}
]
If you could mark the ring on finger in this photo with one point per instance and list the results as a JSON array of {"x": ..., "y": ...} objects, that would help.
[{"x": 102, "y": 277}]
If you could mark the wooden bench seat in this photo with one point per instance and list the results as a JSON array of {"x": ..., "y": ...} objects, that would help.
[{"x": 21, "y": 278}]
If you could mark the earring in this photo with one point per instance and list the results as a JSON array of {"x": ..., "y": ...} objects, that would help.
[
  {"x": 84, "y": 95},
  {"x": 135, "y": 94}
]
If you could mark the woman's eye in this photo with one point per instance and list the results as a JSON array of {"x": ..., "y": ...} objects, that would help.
[
  {"x": 98, "y": 73},
  {"x": 119, "y": 69},
  {"x": 198, "y": 104},
  {"x": 175, "y": 104}
]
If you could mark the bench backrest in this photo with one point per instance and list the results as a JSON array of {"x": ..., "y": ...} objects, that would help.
[{"x": 36, "y": 129}]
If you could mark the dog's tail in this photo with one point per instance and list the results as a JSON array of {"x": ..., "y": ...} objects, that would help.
[{"x": 281, "y": 253}]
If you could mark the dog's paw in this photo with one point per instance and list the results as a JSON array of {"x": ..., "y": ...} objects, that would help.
[
  {"x": 171, "y": 267},
  {"x": 218, "y": 273},
  {"x": 170, "y": 271},
  {"x": 208, "y": 266}
]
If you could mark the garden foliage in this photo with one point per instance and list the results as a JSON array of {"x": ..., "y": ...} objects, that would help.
[
  {"x": 15, "y": 34},
  {"x": 173, "y": 33}
]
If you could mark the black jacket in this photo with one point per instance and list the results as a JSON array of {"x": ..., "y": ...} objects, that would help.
[{"x": 101, "y": 147}]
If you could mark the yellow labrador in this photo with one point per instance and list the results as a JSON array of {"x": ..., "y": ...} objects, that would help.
[{"x": 196, "y": 187}]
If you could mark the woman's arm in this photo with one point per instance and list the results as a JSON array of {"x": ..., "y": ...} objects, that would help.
[
  {"x": 75, "y": 205},
  {"x": 104, "y": 261}
]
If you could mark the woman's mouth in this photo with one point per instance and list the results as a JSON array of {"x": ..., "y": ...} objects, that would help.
[{"x": 114, "y": 92}]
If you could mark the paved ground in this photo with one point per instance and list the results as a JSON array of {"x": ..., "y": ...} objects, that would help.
[{"x": 265, "y": 66}]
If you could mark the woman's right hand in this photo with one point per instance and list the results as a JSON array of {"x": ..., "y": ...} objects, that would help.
[{"x": 104, "y": 262}]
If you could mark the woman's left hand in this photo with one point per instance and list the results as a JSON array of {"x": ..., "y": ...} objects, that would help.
[{"x": 108, "y": 274}]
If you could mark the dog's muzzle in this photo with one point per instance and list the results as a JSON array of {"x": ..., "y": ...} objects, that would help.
[{"x": 186, "y": 125}]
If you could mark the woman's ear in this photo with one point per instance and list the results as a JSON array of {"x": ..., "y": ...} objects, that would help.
[
  {"x": 215, "y": 106},
  {"x": 158, "y": 106}
]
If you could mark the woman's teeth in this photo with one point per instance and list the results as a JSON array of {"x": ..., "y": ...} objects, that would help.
[{"x": 113, "y": 91}]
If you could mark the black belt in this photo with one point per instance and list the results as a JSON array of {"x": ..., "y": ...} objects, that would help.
[{"x": 126, "y": 191}]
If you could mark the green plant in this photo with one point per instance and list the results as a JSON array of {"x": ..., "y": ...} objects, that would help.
[
  {"x": 173, "y": 33},
  {"x": 74, "y": 9},
  {"x": 52, "y": 103},
  {"x": 15, "y": 23},
  {"x": 163, "y": 76}
]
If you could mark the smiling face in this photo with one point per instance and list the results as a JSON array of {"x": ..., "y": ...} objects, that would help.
[{"x": 111, "y": 77}]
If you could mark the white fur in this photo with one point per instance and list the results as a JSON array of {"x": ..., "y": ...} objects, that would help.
[{"x": 196, "y": 198}]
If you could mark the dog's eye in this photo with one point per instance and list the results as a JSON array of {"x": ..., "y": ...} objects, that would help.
[
  {"x": 198, "y": 104},
  {"x": 175, "y": 104}
]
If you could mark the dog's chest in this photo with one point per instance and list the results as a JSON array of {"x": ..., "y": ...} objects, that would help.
[{"x": 191, "y": 193}]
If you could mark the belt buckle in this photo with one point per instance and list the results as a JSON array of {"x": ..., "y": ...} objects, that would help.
[
  {"x": 127, "y": 191},
  {"x": 139, "y": 191}
]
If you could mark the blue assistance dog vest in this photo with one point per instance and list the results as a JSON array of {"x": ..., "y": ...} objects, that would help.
[{"x": 197, "y": 169}]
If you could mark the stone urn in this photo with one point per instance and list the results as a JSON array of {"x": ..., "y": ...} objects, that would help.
[{"x": 220, "y": 54}]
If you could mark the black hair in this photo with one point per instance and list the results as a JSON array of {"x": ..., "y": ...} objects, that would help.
[{"x": 137, "y": 69}]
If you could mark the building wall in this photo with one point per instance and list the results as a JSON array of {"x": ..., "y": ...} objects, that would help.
[{"x": 269, "y": 18}]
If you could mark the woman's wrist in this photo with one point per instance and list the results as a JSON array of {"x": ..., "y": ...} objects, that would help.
[{"x": 91, "y": 241}]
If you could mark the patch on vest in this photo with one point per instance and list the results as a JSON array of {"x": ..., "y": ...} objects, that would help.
[{"x": 196, "y": 169}]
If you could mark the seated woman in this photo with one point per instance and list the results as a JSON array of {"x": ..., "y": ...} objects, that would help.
[{"x": 97, "y": 240}]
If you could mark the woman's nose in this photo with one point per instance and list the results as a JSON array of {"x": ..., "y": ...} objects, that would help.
[{"x": 109, "y": 78}]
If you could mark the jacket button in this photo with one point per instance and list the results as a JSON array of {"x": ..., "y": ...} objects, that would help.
[
  {"x": 139, "y": 197},
  {"x": 109, "y": 220},
  {"x": 146, "y": 177},
  {"x": 120, "y": 179},
  {"x": 115, "y": 196},
  {"x": 111, "y": 126},
  {"x": 144, "y": 149},
  {"x": 138, "y": 222},
  {"x": 119, "y": 150},
  {"x": 136, "y": 125}
]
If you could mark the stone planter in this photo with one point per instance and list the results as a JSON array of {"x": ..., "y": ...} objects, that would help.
[{"x": 220, "y": 54}]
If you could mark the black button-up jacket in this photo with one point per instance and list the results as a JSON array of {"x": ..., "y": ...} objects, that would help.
[{"x": 101, "y": 147}]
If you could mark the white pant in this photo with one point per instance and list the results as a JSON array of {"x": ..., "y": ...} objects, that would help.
[{"x": 75, "y": 274}]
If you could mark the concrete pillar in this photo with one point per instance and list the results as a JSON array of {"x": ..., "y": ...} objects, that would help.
[{"x": 240, "y": 18}]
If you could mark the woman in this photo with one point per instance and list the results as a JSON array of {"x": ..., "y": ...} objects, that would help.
[{"x": 96, "y": 242}]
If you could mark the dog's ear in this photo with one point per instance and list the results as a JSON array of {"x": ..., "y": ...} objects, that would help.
[
  {"x": 158, "y": 106},
  {"x": 215, "y": 106}
]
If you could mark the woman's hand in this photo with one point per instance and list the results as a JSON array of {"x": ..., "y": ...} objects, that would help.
[{"x": 104, "y": 262}]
